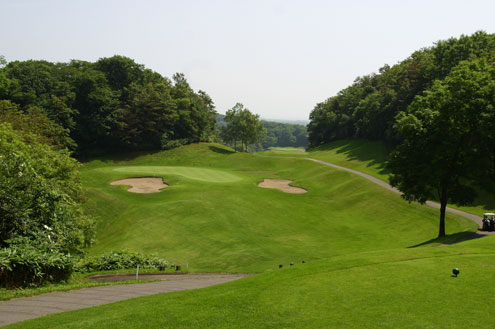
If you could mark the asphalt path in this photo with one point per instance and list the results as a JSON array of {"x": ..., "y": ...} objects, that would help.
[
  {"x": 474, "y": 218},
  {"x": 25, "y": 308}
]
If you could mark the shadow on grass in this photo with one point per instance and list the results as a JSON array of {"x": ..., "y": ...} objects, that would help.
[
  {"x": 114, "y": 156},
  {"x": 374, "y": 152},
  {"x": 220, "y": 150},
  {"x": 451, "y": 239}
]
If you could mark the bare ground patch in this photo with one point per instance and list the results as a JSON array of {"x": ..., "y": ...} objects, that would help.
[
  {"x": 282, "y": 185},
  {"x": 142, "y": 184}
]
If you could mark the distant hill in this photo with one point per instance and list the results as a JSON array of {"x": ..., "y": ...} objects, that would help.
[{"x": 292, "y": 122}]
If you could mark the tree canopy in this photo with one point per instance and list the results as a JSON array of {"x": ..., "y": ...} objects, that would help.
[
  {"x": 242, "y": 126},
  {"x": 367, "y": 108},
  {"x": 110, "y": 105},
  {"x": 448, "y": 138}
]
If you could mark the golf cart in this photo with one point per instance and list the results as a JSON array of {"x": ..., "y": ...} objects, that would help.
[{"x": 488, "y": 221}]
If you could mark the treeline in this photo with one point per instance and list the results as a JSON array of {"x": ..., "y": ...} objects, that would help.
[
  {"x": 284, "y": 135},
  {"x": 368, "y": 108},
  {"x": 278, "y": 134},
  {"x": 113, "y": 104}
]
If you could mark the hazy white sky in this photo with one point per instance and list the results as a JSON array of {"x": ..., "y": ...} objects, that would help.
[{"x": 278, "y": 58}]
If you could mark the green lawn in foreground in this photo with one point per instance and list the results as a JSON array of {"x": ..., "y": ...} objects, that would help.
[
  {"x": 406, "y": 288},
  {"x": 226, "y": 225}
]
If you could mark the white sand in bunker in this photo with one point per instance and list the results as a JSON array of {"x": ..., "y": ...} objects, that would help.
[
  {"x": 282, "y": 185},
  {"x": 142, "y": 184}
]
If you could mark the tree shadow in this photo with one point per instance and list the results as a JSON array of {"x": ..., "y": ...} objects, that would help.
[
  {"x": 114, "y": 156},
  {"x": 375, "y": 153},
  {"x": 220, "y": 150},
  {"x": 451, "y": 239}
]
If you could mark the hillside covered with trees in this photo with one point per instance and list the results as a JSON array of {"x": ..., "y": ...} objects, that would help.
[
  {"x": 113, "y": 104},
  {"x": 368, "y": 108},
  {"x": 437, "y": 110}
]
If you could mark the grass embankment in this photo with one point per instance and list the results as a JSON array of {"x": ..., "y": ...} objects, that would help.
[
  {"x": 214, "y": 217},
  {"x": 371, "y": 157},
  {"x": 406, "y": 288}
]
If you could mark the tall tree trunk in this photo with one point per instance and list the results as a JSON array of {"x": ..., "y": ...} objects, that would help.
[
  {"x": 235, "y": 145},
  {"x": 443, "y": 206}
]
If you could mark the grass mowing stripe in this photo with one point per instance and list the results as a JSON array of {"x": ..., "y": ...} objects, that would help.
[{"x": 201, "y": 174}]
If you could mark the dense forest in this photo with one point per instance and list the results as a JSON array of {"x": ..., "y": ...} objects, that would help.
[
  {"x": 278, "y": 134},
  {"x": 368, "y": 108},
  {"x": 113, "y": 104}
]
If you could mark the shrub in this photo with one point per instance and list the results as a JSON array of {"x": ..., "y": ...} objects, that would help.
[
  {"x": 39, "y": 190},
  {"x": 171, "y": 144},
  {"x": 29, "y": 263},
  {"x": 117, "y": 260}
]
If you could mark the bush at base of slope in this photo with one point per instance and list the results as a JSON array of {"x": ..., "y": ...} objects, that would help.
[
  {"x": 117, "y": 260},
  {"x": 26, "y": 263}
]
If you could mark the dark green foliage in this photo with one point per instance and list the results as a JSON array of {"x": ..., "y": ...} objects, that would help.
[
  {"x": 114, "y": 104},
  {"x": 242, "y": 127},
  {"x": 368, "y": 107},
  {"x": 36, "y": 122},
  {"x": 448, "y": 138},
  {"x": 41, "y": 221},
  {"x": 168, "y": 144},
  {"x": 117, "y": 260},
  {"x": 38, "y": 187},
  {"x": 284, "y": 135},
  {"x": 277, "y": 133},
  {"x": 27, "y": 262}
]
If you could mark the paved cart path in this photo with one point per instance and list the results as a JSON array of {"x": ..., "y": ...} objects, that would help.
[
  {"x": 474, "y": 218},
  {"x": 25, "y": 308}
]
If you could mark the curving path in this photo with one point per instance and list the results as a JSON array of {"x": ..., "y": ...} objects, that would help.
[
  {"x": 25, "y": 308},
  {"x": 474, "y": 218}
]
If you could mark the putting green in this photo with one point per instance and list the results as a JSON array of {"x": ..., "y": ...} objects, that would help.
[{"x": 201, "y": 174}]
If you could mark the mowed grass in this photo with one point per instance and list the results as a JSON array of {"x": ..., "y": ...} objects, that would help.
[
  {"x": 217, "y": 223},
  {"x": 371, "y": 157},
  {"x": 201, "y": 174},
  {"x": 406, "y": 288}
]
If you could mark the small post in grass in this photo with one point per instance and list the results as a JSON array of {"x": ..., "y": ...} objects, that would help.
[{"x": 137, "y": 272}]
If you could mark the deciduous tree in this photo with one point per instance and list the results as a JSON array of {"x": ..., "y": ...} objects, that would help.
[{"x": 448, "y": 138}]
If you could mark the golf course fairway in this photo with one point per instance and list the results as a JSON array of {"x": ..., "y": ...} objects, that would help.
[
  {"x": 362, "y": 257},
  {"x": 214, "y": 217}
]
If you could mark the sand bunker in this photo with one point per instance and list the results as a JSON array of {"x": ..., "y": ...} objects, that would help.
[
  {"x": 282, "y": 185},
  {"x": 142, "y": 184}
]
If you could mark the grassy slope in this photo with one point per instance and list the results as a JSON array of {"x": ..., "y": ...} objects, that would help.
[
  {"x": 218, "y": 224},
  {"x": 394, "y": 288},
  {"x": 406, "y": 288},
  {"x": 370, "y": 157}
]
